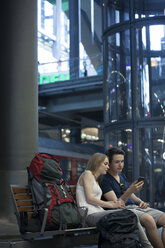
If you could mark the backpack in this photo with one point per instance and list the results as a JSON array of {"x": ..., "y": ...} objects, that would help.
[
  {"x": 118, "y": 230},
  {"x": 50, "y": 191}
]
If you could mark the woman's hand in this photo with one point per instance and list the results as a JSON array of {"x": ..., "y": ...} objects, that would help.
[{"x": 117, "y": 204}]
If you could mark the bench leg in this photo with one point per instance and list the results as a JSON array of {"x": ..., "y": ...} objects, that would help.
[{"x": 44, "y": 220}]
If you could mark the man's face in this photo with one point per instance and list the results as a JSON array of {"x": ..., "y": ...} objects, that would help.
[{"x": 117, "y": 163}]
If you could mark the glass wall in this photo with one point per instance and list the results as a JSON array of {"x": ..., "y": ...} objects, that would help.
[
  {"x": 69, "y": 40},
  {"x": 134, "y": 74},
  {"x": 118, "y": 76},
  {"x": 53, "y": 41}
]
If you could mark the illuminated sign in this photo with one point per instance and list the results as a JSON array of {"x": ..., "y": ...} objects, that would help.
[
  {"x": 55, "y": 77},
  {"x": 46, "y": 79},
  {"x": 163, "y": 156}
]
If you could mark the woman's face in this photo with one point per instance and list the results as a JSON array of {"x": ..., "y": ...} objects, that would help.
[{"x": 104, "y": 166}]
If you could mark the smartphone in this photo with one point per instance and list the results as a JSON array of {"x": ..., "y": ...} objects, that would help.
[{"x": 141, "y": 179}]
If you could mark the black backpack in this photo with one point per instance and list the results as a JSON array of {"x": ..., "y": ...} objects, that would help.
[
  {"x": 50, "y": 191},
  {"x": 118, "y": 230}
]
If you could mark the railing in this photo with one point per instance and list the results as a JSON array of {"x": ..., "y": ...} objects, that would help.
[{"x": 70, "y": 69}]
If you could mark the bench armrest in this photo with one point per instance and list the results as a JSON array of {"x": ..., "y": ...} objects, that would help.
[{"x": 83, "y": 212}]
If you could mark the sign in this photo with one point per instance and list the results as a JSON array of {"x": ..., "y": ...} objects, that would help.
[{"x": 52, "y": 78}]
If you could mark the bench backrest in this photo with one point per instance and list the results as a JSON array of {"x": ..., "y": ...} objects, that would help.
[{"x": 22, "y": 200}]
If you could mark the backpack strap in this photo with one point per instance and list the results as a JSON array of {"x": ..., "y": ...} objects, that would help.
[
  {"x": 30, "y": 190},
  {"x": 62, "y": 225}
]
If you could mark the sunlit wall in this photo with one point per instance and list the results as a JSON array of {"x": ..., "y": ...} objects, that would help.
[{"x": 134, "y": 89}]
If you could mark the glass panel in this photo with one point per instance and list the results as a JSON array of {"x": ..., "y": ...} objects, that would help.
[
  {"x": 141, "y": 39},
  {"x": 157, "y": 37},
  {"x": 144, "y": 8},
  {"x": 53, "y": 41},
  {"x": 152, "y": 165},
  {"x": 91, "y": 63},
  {"x": 116, "y": 11},
  {"x": 159, "y": 166},
  {"x": 143, "y": 96},
  {"x": 119, "y": 77},
  {"x": 157, "y": 86},
  {"x": 123, "y": 140},
  {"x": 145, "y": 163},
  {"x": 150, "y": 73},
  {"x": 66, "y": 166},
  {"x": 81, "y": 166},
  {"x": 157, "y": 43}
]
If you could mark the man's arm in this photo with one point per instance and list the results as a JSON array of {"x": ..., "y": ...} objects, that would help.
[
  {"x": 111, "y": 196},
  {"x": 136, "y": 199},
  {"x": 134, "y": 187}
]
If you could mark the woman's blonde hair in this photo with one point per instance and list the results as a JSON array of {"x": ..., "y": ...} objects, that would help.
[{"x": 95, "y": 161}]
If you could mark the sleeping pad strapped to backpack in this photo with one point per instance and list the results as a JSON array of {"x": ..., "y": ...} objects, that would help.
[{"x": 50, "y": 191}]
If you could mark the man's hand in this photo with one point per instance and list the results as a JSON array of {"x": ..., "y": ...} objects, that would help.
[
  {"x": 143, "y": 204},
  {"x": 136, "y": 187}
]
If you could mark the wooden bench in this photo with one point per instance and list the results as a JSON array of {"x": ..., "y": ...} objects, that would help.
[{"x": 22, "y": 201}]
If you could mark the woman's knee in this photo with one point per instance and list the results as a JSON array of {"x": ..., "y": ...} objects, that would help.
[{"x": 147, "y": 221}]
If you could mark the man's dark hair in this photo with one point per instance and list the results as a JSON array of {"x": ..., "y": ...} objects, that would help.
[{"x": 113, "y": 151}]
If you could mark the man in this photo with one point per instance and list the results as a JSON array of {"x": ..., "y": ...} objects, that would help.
[{"x": 116, "y": 187}]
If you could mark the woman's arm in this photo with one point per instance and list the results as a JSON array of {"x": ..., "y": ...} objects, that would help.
[{"x": 87, "y": 181}]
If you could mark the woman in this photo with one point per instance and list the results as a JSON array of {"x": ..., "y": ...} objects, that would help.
[
  {"x": 88, "y": 194},
  {"x": 88, "y": 191}
]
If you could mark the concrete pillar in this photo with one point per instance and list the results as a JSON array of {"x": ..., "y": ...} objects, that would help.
[
  {"x": 75, "y": 136},
  {"x": 19, "y": 96}
]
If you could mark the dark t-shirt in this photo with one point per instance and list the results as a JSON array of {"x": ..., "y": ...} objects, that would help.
[{"x": 109, "y": 183}]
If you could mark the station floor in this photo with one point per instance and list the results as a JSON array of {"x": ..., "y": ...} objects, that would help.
[
  {"x": 10, "y": 238},
  {"x": 8, "y": 230}
]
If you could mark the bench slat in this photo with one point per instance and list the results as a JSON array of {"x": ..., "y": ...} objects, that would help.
[
  {"x": 22, "y": 197},
  {"x": 25, "y": 208},
  {"x": 24, "y": 203},
  {"x": 20, "y": 189}
]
